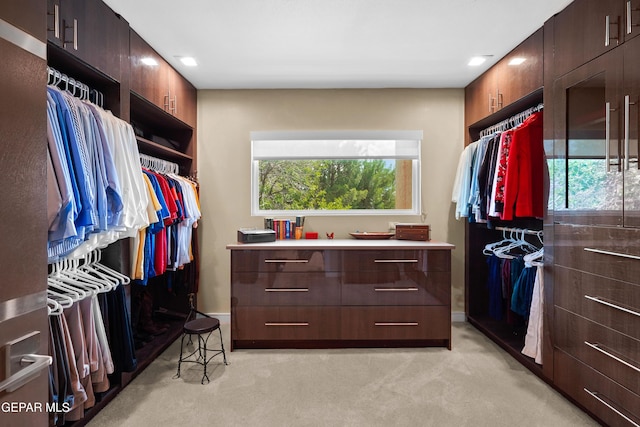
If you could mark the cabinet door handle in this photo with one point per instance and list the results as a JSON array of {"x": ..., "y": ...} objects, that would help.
[
  {"x": 607, "y": 31},
  {"x": 599, "y": 348},
  {"x": 607, "y": 140},
  {"x": 175, "y": 105},
  {"x": 627, "y": 132},
  {"x": 396, "y": 289},
  {"x": 402, "y": 261},
  {"x": 596, "y": 396},
  {"x": 618, "y": 254},
  {"x": 167, "y": 100},
  {"x": 630, "y": 11},
  {"x": 491, "y": 103},
  {"x": 289, "y": 261},
  {"x": 35, "y": 363},
  {"x": 75, "y": 35},
  {"x": 396, "y": 324},
  {"x": 286, "y": 290},
  {"x": 612, "y": 305},
  {"x": 286, "y": 323},
  {"x": 627, "y": 105},
  {"x": 56, "y": 21}
]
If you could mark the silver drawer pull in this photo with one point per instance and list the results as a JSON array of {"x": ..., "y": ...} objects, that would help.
[
  {"x": 290, "y": 261},
  {"x": 601, "y": 350},
  {"x": 396, "y": 323},
  {"x": 396, "y": 289},
  {"x": 618, "y": 254},
  {"x": 607, "y": 303},
  {"x": 286, "y": 290},
  {"x": 286, "y": 324},
  {"x": 407, "y": 261},
  {"x": 595, "y": 396}
]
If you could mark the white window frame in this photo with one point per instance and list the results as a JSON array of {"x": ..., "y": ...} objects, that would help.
[{"x": 297, "y": 145}]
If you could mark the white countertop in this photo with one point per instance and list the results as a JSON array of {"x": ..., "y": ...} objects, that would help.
[{"x": 342, "y": 244}]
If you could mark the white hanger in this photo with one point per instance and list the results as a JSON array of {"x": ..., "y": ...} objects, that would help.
[
  {"x": 63, "y": 294},
  {"x": 125, "y": 280},
  {"x": 54, "y": 308},
  {"x": 489, "y": 248}
]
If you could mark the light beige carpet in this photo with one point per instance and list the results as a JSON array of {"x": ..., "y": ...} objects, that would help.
[{"x": 475, "y": 384}]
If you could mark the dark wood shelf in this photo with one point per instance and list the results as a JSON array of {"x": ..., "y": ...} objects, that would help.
[
  {"x": 145, "y": 112},
  {"x": 153, "y": 148}
]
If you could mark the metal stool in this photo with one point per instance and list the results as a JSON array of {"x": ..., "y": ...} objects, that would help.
[{"x": 200, "y": 326}]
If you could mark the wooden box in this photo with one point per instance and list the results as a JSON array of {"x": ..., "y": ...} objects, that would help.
[{"x": 412, "y": 232}]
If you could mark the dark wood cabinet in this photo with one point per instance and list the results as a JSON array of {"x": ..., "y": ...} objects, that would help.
[
  {"x": 155, "y": 80},
  {"x": 596, "y": 180},
  {"x": 587, "y": 180},
  {"x": 585, "y": 30},
  {"x": 607, "y": 400},
  {"x": 516, "y": 75},
  {"x": 588, "y": 28},
  {"x": 294, "y": 294},
  {"x": 517, "y": 79},
  {"x": 90, "y": 31},
  {"x": 23, "y": 132},
  {"x": 609, "y": 352}
]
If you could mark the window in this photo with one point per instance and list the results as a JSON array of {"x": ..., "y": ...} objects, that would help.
[{"x": 336, "y": 172}]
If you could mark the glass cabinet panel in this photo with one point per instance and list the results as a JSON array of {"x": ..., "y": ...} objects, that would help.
[{"x": 587, "y": 164}]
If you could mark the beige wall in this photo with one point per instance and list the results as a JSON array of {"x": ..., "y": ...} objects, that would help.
[{"x": 226, "y": 117}]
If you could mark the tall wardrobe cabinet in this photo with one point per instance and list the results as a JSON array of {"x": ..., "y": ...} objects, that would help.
[
  {"x": 23, "y": 154},
  {"x": 595, "y": 189}
]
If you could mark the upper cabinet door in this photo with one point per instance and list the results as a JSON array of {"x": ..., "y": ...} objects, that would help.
[
  {"x": 588, "y": 152},
  {"x": 631, "y": 133},
  {"x": 149, "y": 72},
  {"x": 90, "y": 31},
  {"x": 631, "y": 19},
  {"x": 521, "y": 71},
  {"x": 183, "y": 99},
  {"x": 585, "y": 30}
]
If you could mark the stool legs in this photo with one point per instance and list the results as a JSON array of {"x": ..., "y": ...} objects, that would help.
[{"x": 202, "y": 358}]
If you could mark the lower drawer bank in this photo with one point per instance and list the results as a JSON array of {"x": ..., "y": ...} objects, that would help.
[{"x": 340, "y": 293}]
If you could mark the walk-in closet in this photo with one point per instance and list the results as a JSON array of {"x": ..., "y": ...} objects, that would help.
[{"x": 456, "y": 188}]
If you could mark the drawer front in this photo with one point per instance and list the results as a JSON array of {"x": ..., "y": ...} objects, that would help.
[
  {"x": 285, "y": 323},
  {"x": 606, "y": 251},
  {"x": 607, "y": 400},
  {"x": 274, "y": 289},
  {"x": 396, "y": 260},
  {"x": 615, "y": 355},
  {"x": 396, "y": 323},
  {"x": 612, "y": 303},
  {"x": 286, "y": 260},
  {"x": 421, "y": 289}
]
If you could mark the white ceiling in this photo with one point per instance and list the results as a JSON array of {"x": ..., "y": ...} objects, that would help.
[{"x": 250, "y": 44}]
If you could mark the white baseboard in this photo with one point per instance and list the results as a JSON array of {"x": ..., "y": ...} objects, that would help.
[{"x": 456, "y": 316}]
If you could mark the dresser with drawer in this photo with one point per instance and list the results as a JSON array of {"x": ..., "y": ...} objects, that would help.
[
  {"x": 340, "y": 293},
  {"x": 596, "y": 328}
]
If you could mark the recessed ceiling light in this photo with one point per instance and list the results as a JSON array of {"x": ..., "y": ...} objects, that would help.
[
  {"x": 477, "y": 60},
  {"x": 188, "y": 61},
  {"x": 148, "y": 61},
  {"x": 517, "y": 61}
]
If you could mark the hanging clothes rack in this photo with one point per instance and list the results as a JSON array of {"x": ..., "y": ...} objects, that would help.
[
  {"x": 74, "y": 87},
  {"x": 158, "y": 165},
  {"x": 512, "y": 121},
  {"x": 537, "y": 233}
]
